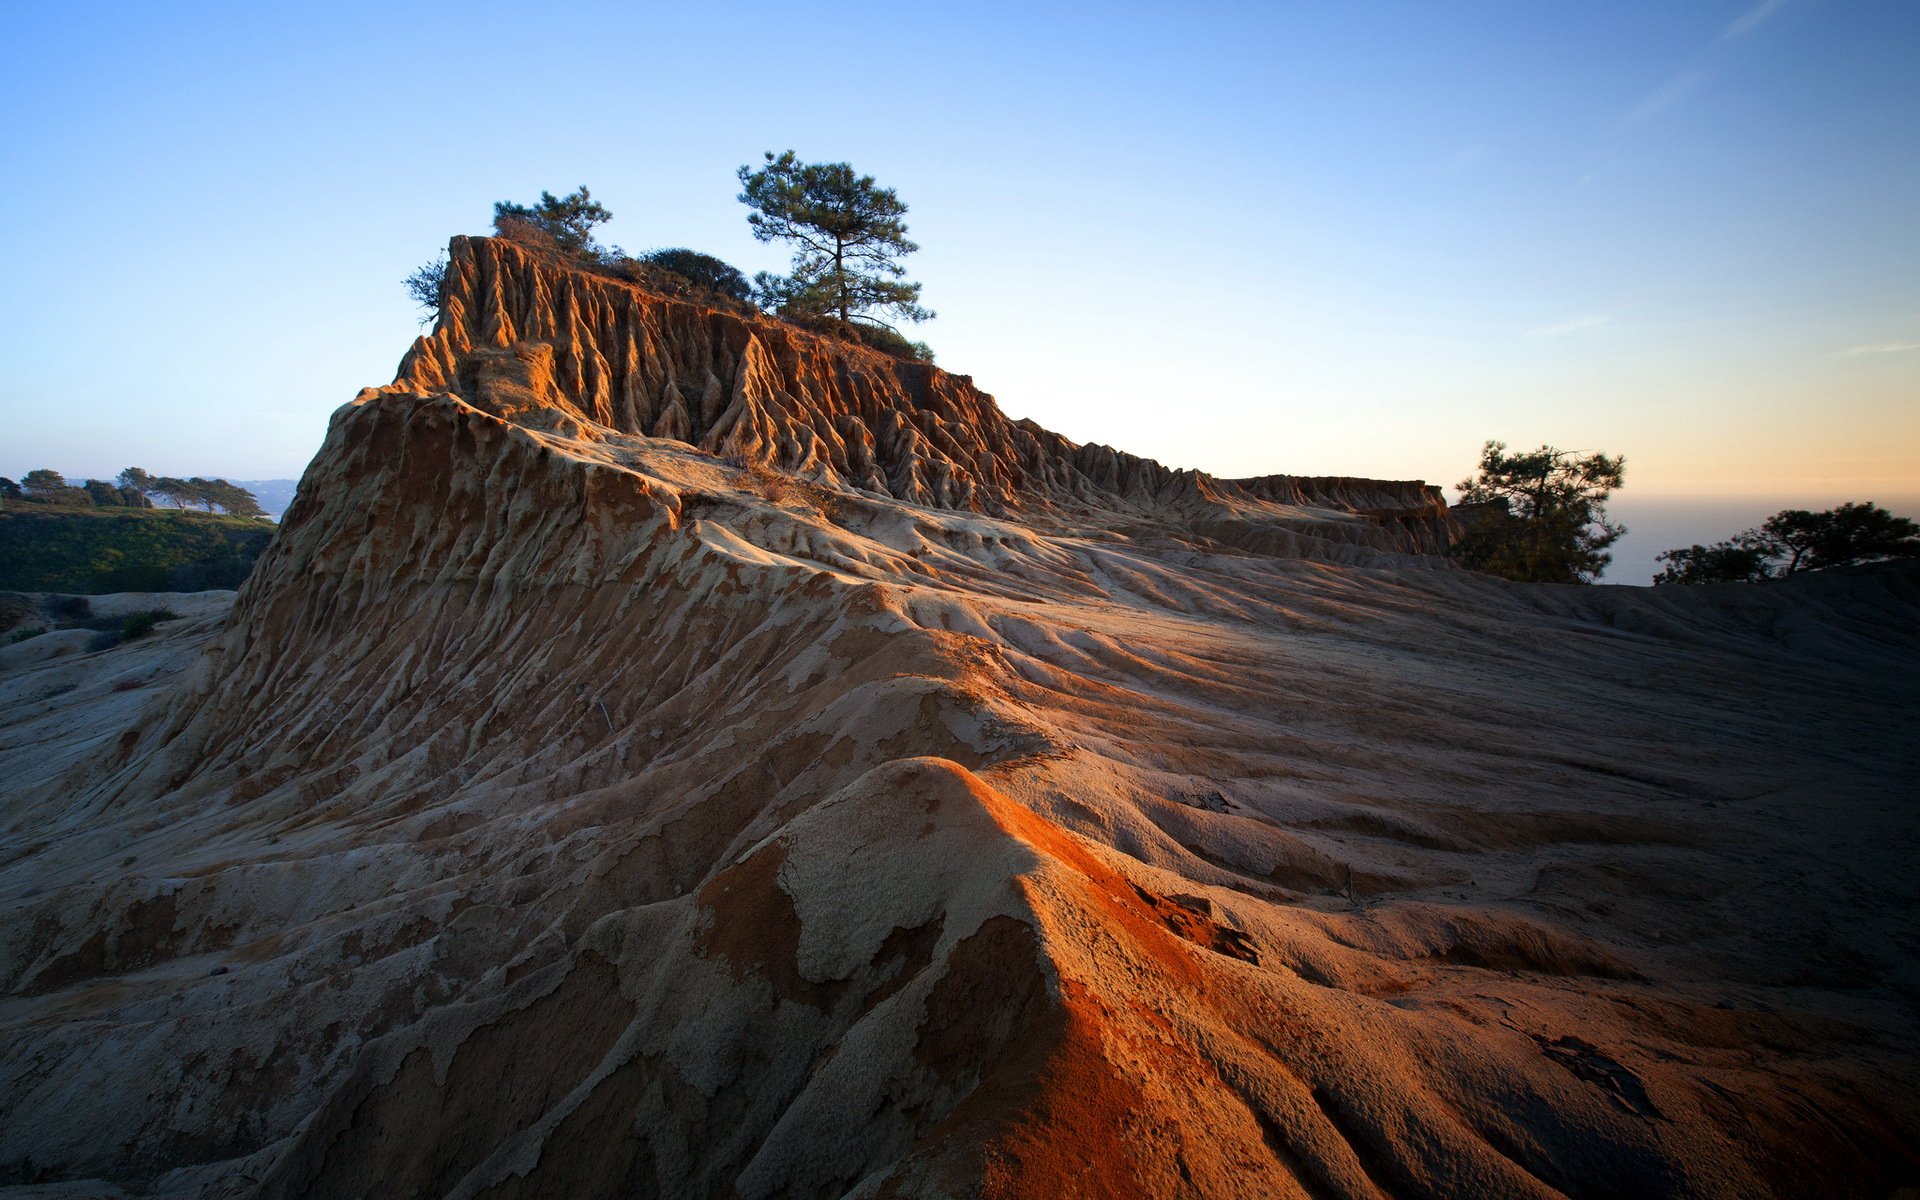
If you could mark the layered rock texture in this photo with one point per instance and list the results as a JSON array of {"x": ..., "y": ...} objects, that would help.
[
  {"x": 667, "y": 753},
  {"x": 563, "y": 351}
]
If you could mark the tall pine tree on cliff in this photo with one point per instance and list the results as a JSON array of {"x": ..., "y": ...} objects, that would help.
[{"x": 849, "y": 239}]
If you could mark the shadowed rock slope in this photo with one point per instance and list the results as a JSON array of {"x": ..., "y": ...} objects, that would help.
[{"x": 566, "y": 810}]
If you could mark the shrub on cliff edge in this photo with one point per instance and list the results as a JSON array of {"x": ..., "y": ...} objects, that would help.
[
  {"x": 1540, "y": 516},
  {"x": 567, "y": 221}
]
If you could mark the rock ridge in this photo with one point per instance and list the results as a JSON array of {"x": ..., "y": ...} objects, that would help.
[{"x": 548, "y": 345}]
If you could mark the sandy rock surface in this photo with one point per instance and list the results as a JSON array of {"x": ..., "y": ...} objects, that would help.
[{"x": 567, "y": 810}]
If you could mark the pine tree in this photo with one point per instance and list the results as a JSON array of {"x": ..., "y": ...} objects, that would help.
[
  {"x": 848, "y": 235},
  {"x": 1542, "y": 514}
]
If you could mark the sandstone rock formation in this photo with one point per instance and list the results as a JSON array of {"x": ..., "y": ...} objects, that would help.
[
  {"x": 668, "y": 753},
  {"x": 560, "y": 349}
]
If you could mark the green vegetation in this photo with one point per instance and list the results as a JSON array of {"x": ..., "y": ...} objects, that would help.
[
  {"x": 1796, "y": 540},
  {"x": 848, "y": 239},
  {"x": 565, "y": 221},
  {"x": 141, "y": 623},
  {"x": 134, "y": 488},
  {"x": 48, "y": 548},
  {"x": 1539, "y": 516},
  {"x": 209, "y": 494},
  {"x": 846, "y": 273},
  {"x": 427, "y": 285},
  {"x": 703, "y": 270}
]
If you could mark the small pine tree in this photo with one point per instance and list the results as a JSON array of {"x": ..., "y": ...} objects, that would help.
[
  {"x": 848, "y": 237},
  {"x": 427, "y": 286},
  {"x": 567, "y": 221}
]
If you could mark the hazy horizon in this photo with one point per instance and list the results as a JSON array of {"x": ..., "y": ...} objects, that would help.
[{"x": 1653, "y": 522}]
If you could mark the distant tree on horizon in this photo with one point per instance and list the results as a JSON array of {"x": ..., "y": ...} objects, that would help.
[
  {"x": 47, "y": 486},
  {"x": 43, "y": 483},
  {"x": 134, "y": 488},
  {"x": 1540, "y": 515},
  {"x": 107, "y": 495},
  {"x": 135, "y": 480},
  {"x": 235, "y": 500},
  {"x": 208, "y": 494},
  {"x": 1795, "y": 540}
]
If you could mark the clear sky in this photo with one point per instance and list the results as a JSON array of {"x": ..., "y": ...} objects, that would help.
[{"x": 1316, "y": 237}]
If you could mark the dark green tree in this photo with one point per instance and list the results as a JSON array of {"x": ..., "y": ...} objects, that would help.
[
  {"x": 426, "y": 285},
  {"x": 567, "y": 220},
  {"x": 1539, "y": 516},
  {"x": 848, "y": 237},
  {"x": 703, "y": 269},
  {"x": 1852, "y": 533},
  {"x": 175, "y": 491},
  {"x": 135, "y": 480},
  {"x": 104, "y": 494},
  {"x": 43, "y": 483},
  {"x": 233, "y": 499},
  {"x": 1795, "y": 540},
  {"x": 1723, "y": 562},
  {"x": 9, "y": 490},
  {"x": 51, "y": 487}
]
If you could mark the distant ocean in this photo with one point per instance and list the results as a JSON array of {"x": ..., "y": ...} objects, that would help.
[
  {"x": 1656, "y": 523},
  {"x": 273, "y": 494}
]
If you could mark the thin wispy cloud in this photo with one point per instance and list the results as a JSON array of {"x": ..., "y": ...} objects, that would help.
[
  {"x": 1754, "y": 17},
  {"x": 1878, "y": 348},
  {"x": 1570, "y": 325},
  {"x": 1682, "y": 85},
  {"x": 1668, "y": 94}
]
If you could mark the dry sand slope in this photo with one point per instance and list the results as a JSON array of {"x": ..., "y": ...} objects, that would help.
[{"x": 567, "y": 812}]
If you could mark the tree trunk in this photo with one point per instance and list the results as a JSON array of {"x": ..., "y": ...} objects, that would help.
[{"x": 840, "y": 278}]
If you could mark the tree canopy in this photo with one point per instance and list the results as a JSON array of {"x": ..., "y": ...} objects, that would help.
[
  {"x": 848, "y": 238},
  {"x": 702, "y": 269},
  {"x": 1539, "y": 516},
  {"x": 48, "y": 486},
  {"x": 568, "y": 220},
  {"x": 1795, "y": 540},
  {"x": 135, "y": 488},
  {"x": 209, "y": 494},
  {"x": 425, "y": 286}
]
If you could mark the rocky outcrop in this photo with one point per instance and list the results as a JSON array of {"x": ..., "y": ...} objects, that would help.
[
  {"x": 565, "y": 811},
  {"x": 540, "y": 343}
]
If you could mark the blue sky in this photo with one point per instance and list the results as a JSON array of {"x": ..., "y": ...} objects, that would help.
[{"x": 1315, "y": 238}]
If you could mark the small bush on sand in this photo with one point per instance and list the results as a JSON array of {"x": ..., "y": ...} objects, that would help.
[{"x": 141, "y": 623}]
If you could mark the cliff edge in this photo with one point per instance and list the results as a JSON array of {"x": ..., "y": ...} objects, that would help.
[{"x": 542, "y": 343}]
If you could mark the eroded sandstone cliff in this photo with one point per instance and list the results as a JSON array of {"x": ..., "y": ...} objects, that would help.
[
  {"x": 567, "y": 810},
  {"x": 526, "y": 339}
]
